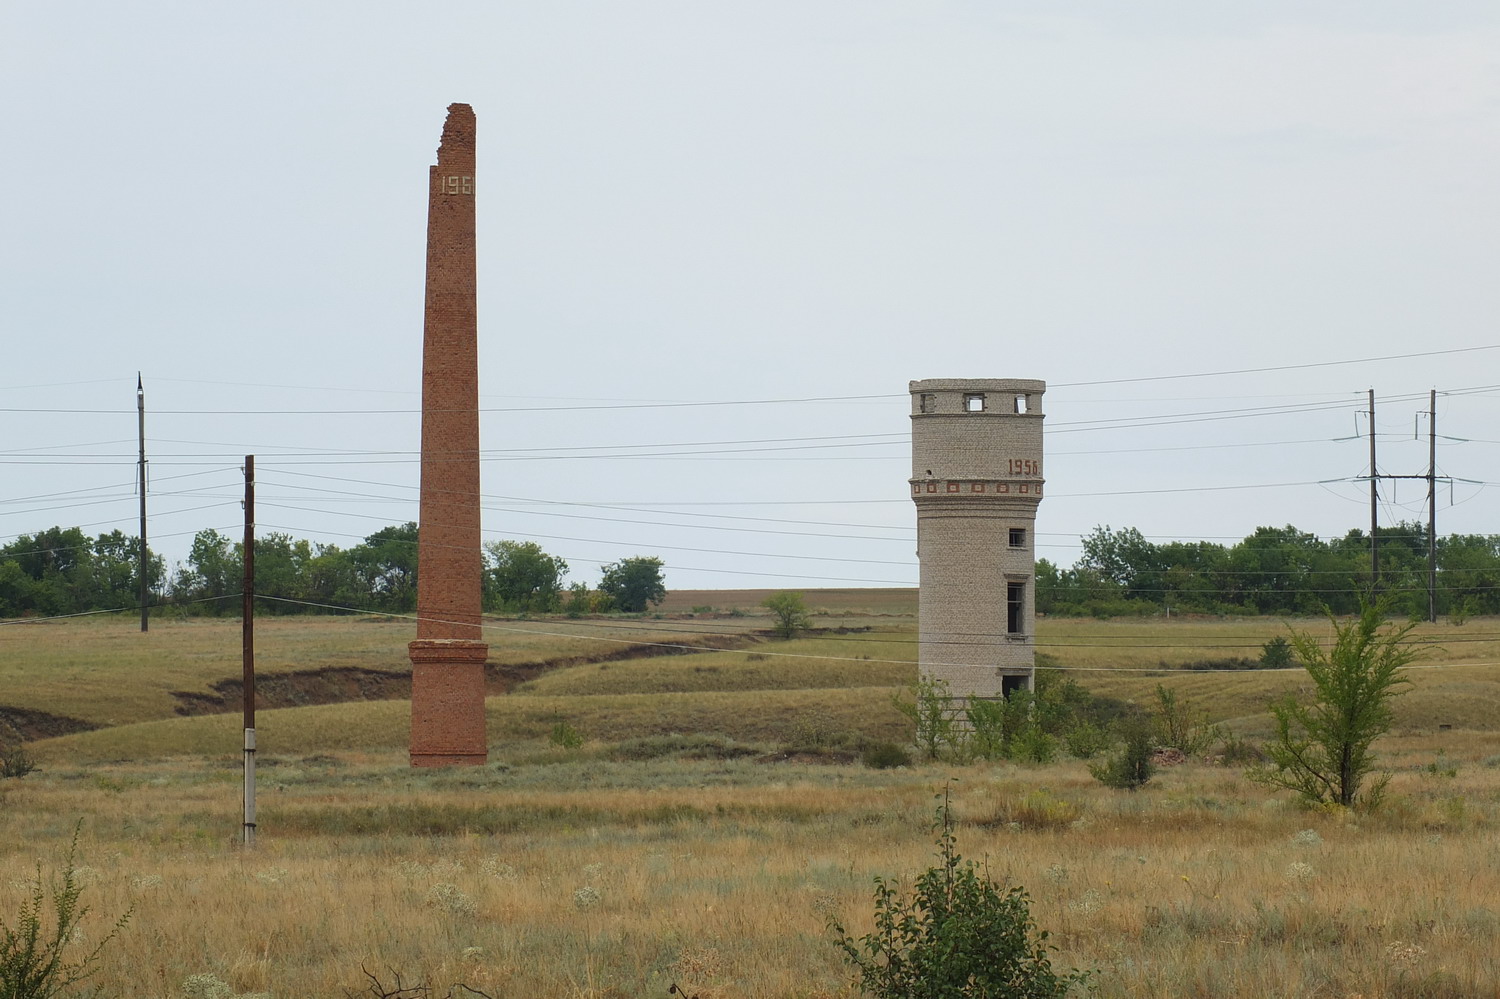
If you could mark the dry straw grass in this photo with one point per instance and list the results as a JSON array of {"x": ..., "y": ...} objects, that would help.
[
  {"x": 617, "y": 882},
  {"x": 558, "y": 872}
]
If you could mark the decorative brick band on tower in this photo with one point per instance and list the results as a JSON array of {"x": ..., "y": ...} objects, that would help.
[
  {"x": 447, "y": 659},
  {"x": 976, "y": 450}
]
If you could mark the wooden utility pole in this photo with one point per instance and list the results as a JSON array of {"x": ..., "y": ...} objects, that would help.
[
  {"x": 1374, "y": 505},
  {"x": 1432, "y": 506},
  {"x": 247, "y": 631},
  {"x": 145, "y": 556}
]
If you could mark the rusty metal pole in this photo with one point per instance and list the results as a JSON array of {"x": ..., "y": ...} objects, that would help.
[{"x": 247, "y": 605}]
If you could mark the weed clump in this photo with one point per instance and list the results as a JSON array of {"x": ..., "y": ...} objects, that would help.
[
  {"x": 885, "y": 756},
  {"x": 687, "y": 747},
  {"x": 33, "y": 961}
]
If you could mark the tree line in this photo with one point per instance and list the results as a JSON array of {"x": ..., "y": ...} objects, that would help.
[
  {"x": 1275, "y": 570},
  {"x": 63, "y": 571}
]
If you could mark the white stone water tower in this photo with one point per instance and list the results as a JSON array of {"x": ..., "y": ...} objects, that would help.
[{"x": 976, "y": 459}]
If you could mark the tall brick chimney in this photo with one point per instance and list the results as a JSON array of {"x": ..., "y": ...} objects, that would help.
[{"x": 447, "y": 682}]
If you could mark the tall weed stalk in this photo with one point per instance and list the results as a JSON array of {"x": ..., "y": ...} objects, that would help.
[{"x": 33, "y": 962}]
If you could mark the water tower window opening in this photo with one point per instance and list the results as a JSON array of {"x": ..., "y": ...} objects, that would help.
[
  {"x": 1018, "y": 537},
  {"x": 974, "y": 402},
  {"x": 1015, "y": 607}
]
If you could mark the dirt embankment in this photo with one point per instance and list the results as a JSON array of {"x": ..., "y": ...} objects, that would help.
[
  {"x": 25, "y": 725},
  {"x": 337, "y": 684}
]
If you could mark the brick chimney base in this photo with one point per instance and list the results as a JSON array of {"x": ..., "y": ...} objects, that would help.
[{"x": 447, "y": 702}]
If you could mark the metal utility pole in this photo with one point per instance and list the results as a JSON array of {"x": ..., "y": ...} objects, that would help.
[
  {"x": 1432, "y": 506},
  {"x": 247, "y": 605},
  {"x": 145, "y": 557},
  {"x": 1374, "y": 505}
]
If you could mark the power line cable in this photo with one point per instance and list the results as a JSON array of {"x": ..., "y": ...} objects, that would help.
[{"x": 1278, "y": 367}]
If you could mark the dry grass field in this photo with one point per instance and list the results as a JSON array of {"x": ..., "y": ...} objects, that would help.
[{"x": 634, "y": 861}]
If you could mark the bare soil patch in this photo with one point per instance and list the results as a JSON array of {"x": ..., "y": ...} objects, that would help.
[
  {"x": 25, "y": 725},
  {"x": 341, "y": 684}
]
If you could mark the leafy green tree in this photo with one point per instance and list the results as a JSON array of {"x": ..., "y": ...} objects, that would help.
[
  {"x": 928, "y": 704},
  {"x": 633, "y": 584},
  {"x": 385, "y": 564},
  {"x": 280, "y": 570},
  {"x": 59, "y": 564},
  {"x": 521, "y": 576},
  {"x": 788, "y": 612},
  {"x": 116, "y": 571},
  {"x": 1321, "y": 749},
  {"x": 1122, "y": 556},
  {"x": 57, "y": 551},
  {"x": 17, "y": 590},
  {"x": 1469, "y": 570},
  {"x": 214, "y": 570},
  {"x": 329, "y": 577}
]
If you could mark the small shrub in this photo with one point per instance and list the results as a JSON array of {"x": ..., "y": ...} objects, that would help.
[
  {"x": 1307, "y": 837},
  {"x": 212, "y": 987},
  {"x": 1129, "y": 768},
  {"x": 33, "y": 964},
  {"x": 885, "y": 756},
  {"x": 957, "y": 935},
  {"x": 451, "y": 898},
  {"x": 1032, "y": 745},
  {"x": 1277, "y": 654},
  {"x": 1442, "y": 766},
  {"x": 991, "y": 726},
  {"x": 15, "y": 761},
  {"x": 566, "y": 736},
  {"x": 1237, "y": 752},
  {"x": 1180, "y": 727},
  {"x": 1086, "y": 740}
]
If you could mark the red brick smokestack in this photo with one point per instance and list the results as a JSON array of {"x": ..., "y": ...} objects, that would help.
[{"x": 447, "y": 682}]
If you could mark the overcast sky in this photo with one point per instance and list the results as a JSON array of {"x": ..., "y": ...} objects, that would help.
[{"x": 751, "y": 205}]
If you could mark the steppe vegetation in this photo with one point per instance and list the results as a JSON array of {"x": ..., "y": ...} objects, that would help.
[{"x": 713, "y": 814}]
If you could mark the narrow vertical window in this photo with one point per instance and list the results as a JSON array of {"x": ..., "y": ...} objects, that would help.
[
  {"x": 1020, "y": 404},
  {"x": 1015, "y": 607},
  {"x": 1018, "y": 537}
]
